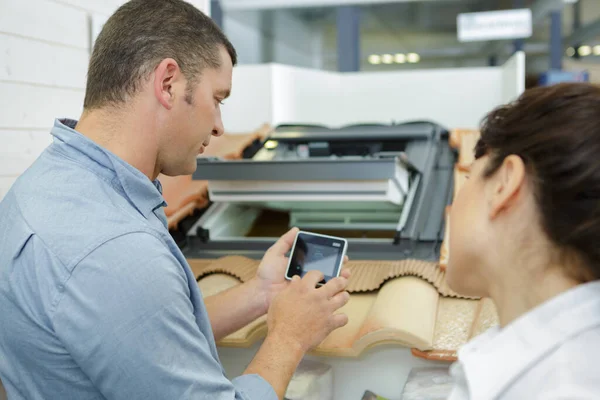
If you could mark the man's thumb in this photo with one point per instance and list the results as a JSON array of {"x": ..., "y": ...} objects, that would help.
[{"x": 285, "y": 243}]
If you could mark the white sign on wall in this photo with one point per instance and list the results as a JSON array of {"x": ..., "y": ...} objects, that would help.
[{"x": 494, "y": 25}]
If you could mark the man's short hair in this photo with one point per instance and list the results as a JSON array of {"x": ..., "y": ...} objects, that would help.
[{"x": 142, "y": 33}]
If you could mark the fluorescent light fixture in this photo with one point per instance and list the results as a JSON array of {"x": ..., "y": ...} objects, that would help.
[
  {"x": 570, "y": 51},
  {"x": 597, "y": 50},
  {"x": 400, "y": 58},
  {"x": 387, "y": 58},
  {"x": 374, "y": 59},
  {"x": 413, "y": 58},
  {"x": 585, "y": 51}
]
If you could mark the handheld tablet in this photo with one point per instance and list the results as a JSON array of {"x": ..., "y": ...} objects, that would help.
[{"x": 315, "y": 251}]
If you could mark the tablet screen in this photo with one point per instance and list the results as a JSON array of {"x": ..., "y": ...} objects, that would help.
[{"x": 315, "y": 252}]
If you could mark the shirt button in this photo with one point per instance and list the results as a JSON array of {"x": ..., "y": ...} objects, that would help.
[{"x": 61, "y": 287}]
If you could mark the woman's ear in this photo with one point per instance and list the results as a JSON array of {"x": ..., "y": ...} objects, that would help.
[{"x": 506, "y": 185}]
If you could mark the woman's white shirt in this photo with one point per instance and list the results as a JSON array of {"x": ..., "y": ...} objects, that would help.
[{"x": 552, "y": 352}]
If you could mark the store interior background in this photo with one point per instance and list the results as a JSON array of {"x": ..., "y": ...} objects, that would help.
[
  {"x": 44, "y": 59},
  {"x": 45, "y": 47}
]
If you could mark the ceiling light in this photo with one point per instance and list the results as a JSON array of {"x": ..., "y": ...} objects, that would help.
[
  {"x": 597, "y": 50},
  {"x": 585, "y": 51},
  {"x": 570, "y": 52},
  {"x": 387, "y": 58},
  {"x": 374, "y": 59},
  {"x": 413, "y": 58},
  {"x": 400, "y": 58}
]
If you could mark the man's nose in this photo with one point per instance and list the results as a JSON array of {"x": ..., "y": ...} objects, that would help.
[{"x": 218, "y": 129}]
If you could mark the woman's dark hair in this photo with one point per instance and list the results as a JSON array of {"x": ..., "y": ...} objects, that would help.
[{"x": 556, "y": 131}]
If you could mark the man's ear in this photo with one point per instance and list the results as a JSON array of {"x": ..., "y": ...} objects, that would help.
[
  {"x": 506, "y": 185},
  {"x": 165, "y": 74}
]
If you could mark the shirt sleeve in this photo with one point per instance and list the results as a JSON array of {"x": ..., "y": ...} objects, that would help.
[{"x": 126, "y": 318}]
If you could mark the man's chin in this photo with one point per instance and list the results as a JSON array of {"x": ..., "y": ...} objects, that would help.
[
  {"x": 181, "y": 170},
  {"x": 190, "y": 169}
]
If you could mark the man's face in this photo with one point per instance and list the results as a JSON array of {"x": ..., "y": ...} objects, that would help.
[{"x": 195, "y": 117}]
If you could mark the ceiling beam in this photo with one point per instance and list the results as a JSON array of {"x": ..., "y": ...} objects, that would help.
[
  {"x": 542, "y": 9},
  {"x": 266, "y": 4},
  {"x": 583, "y": 34}
]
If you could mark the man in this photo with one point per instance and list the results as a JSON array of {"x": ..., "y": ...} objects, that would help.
[{"x": 96, "y": 300}]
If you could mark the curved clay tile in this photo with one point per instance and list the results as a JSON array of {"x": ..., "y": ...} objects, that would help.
[{"x": 403, "y": 302}]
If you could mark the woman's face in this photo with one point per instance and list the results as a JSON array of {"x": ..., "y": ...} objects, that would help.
[{"x": 469, "y": 233}]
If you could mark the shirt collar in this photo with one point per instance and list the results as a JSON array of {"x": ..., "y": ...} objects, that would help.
[
  {"x": 145, "y": 195},
  {"x": 492, "y": 361}
]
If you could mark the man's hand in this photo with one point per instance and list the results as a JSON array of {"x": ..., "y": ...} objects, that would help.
[
  {"x": 300, "y": 317},
  {"x": 305, "y": 314},
  {"x": 271, "y": 271},
  {"x": 237, "y": 307}
]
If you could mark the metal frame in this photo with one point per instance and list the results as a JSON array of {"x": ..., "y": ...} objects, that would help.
[
  {"x": 419, "y": 230},
  {"x": 301, "y": 133},
  {"x": 378, "y": 249},
  {"x": 326, "y": 169}
]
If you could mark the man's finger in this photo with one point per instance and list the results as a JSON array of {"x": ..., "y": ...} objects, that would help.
[
  {"x": 334, "y": 286},
  {"x": 346, "y": 273},
  {"x": 313, "y": 277},
  {"x": 346, "y": 259},
  {"x": 339, "y": 320},
  {"x": 285, "y": 243},
  {"x": 340, "y": 300}
]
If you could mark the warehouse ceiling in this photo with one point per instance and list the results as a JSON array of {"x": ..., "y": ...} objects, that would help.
[{"x": 429, "y": 29}]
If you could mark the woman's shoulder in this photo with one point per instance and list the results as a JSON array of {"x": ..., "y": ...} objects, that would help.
[
  {"x": 577, "y": 355},
  {"x": 569, "y": 371}
]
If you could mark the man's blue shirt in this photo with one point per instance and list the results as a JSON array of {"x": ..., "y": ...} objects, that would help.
[{"x": 96, "y": 299}]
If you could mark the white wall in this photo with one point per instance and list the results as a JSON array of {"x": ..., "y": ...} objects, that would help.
[
  {"x": 250, "y": 104},
  {"x": 42, "y": 76},
  {"x": 454, "y": 98},
  {"x": 450, "y": 97},
  {"x": 512, "y": 87},
  {"x": 304, "y": 95},
  {"x": 44, "y": 50}
]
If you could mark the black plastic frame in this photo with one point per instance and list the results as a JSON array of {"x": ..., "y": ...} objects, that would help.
[{"x": 423, "y": 232}]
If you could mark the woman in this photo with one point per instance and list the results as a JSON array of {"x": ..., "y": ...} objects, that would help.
[{"x": 525, "y": 231}]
